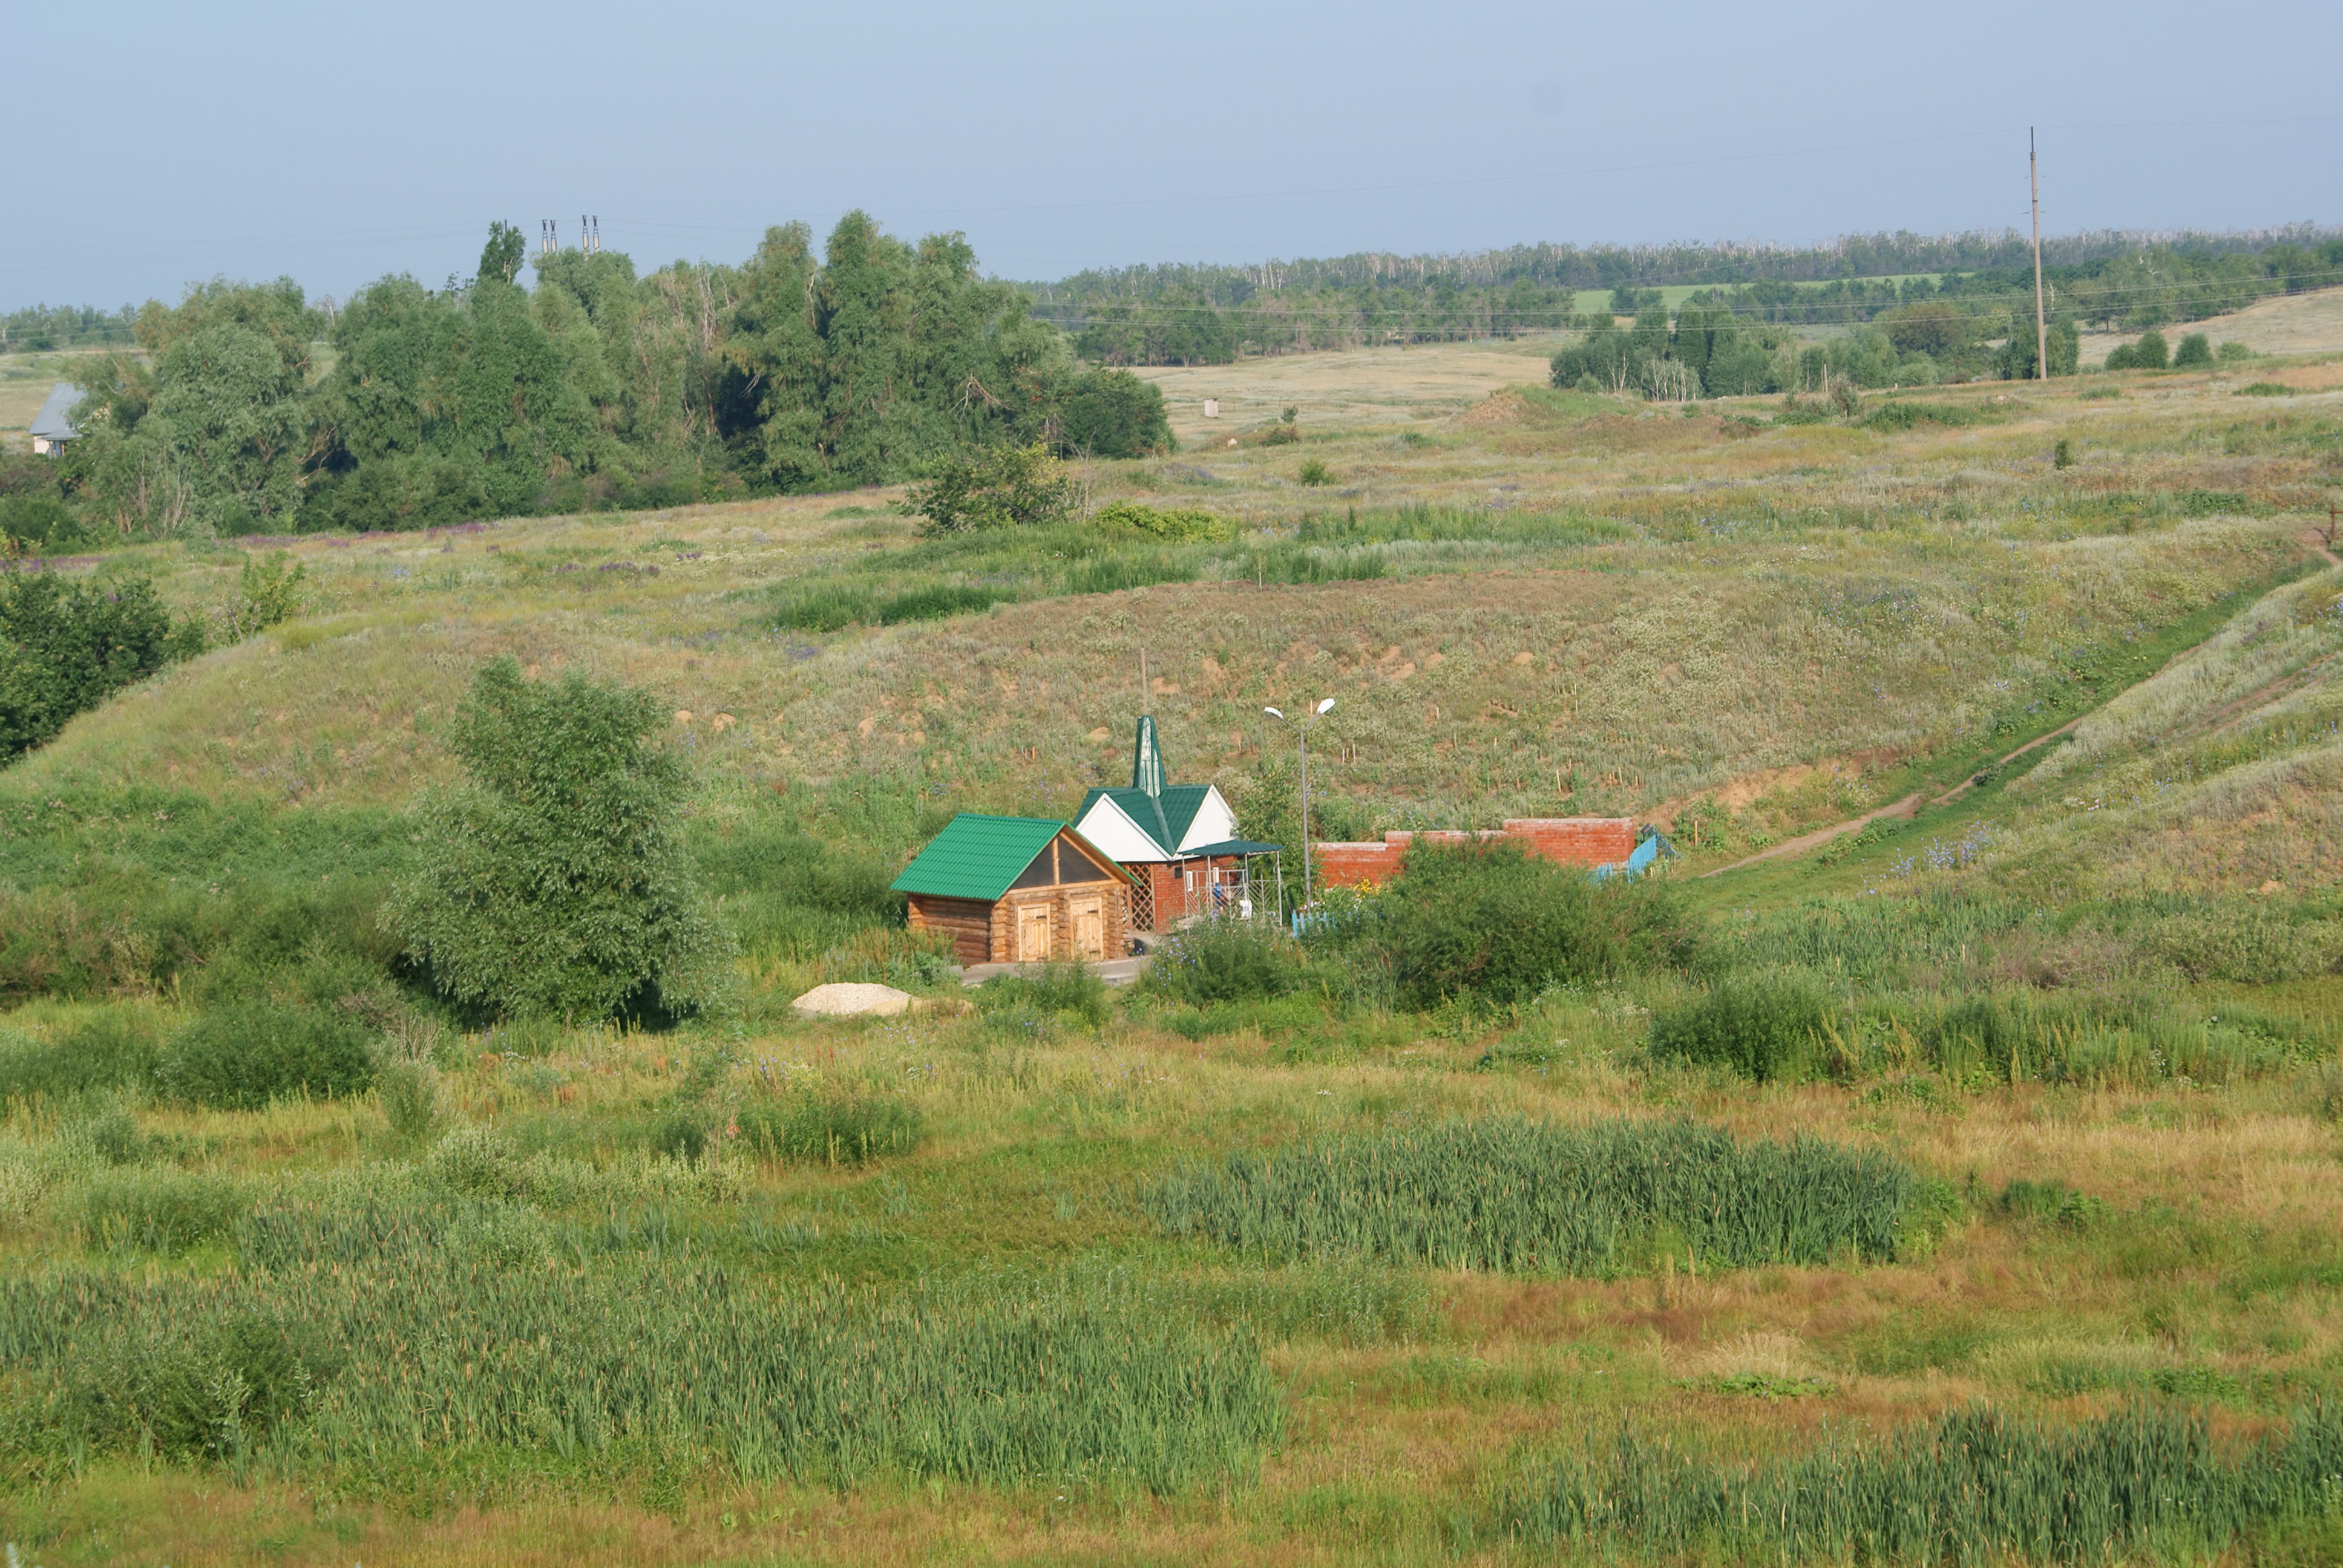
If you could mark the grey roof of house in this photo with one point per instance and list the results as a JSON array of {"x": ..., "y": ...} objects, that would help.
[{"x": 53, "y": 422}]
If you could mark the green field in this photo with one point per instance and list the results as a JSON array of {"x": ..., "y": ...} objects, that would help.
[{"x": 1965, "y": 1188}]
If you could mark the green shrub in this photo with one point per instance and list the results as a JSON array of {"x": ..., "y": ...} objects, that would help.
[
  {"x": 938, "y": 601},
  {"x": 155, "y": 1210},
  {"x": 1225, "y": 960},
  {"x": 992, "y": 488},
  {"x": 2195, "y": 349},
  {"x": 1109, "y": 413},
  {"x": 408, "y": 1092},
  {"x": 2149, "y": 352},
  {"x": 1762, "y": 1028},
  {"x": 1898, "y": 415},
  {"x": 838, "y": 1126},
  {"x": 1485, "y": 922},
  {"x": 1180, "y": 525},
  {"x": 2265, "y": 389},
  {"x": 555, "y": 882},
  {"x": 66, "y": 646},
  {"x": 204, "y": 1389},
  {"x": 829, "y": 607},
  {"x": 41, "y": 525},
  {"x": 1314, "y": 472},
  {"x": 1059, "y": 990},
  {"x": 1510, "y": 1194},
  {"x": 241, "y": 1055},
  {"x": 2233, "y": 353}
]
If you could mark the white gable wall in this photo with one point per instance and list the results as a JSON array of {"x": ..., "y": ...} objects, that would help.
[
  {"x": 1215, "y": 823},
  {"x": 1106, "y": 826}
]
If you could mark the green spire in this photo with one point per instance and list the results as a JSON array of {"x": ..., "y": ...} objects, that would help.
[{"x": 1147, "y": 760}]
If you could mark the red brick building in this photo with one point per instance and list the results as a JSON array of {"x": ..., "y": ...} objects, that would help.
[{"x": 1589, "y": 842}]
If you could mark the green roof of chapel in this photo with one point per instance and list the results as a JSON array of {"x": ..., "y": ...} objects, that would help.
[{"x": 1163, "y": 818}]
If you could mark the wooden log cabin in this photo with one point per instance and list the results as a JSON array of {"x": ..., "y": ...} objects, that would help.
[{"x": 1017, "y": 890}]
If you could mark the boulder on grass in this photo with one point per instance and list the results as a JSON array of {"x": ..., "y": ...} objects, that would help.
[{"x": 851, "y": 1000}]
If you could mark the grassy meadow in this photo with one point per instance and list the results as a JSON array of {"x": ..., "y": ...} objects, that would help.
[{"x": 1970, "y": 1193}]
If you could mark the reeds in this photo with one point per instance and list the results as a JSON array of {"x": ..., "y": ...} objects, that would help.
[
  {"x": 1509, "y": 1195},
  {"x": 402, "y": 1342},
  {"x": 1976, "y": 1486}
]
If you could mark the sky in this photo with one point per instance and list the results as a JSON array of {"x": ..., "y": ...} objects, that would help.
[{"x": 159, "y": 144}]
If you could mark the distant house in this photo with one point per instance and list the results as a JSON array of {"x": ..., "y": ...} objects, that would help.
[
  {"x": 1017, "y": 890},
  {"x": 1603, "y": 845},
  {"x": 53, "y": 426},
  {"x": 1178, "y": 841}
]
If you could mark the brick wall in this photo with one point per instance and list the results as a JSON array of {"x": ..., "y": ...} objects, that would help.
[{"x": 1566, "y": 840}]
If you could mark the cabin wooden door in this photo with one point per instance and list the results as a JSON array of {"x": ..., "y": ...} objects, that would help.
[
  {"x": 1032, "y": 933},
  {"x": 1088, "y": 918}
]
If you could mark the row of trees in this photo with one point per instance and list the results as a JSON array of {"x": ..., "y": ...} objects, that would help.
[
  {"x": 249, "y": 409},
  {"x": 38, "y": 328},
  {"x": 1211, "y": 315},
  {"x": 1850, "y": 257},
  {"x": 1709, "y": 349}
]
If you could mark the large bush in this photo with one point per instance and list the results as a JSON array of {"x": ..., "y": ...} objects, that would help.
[
  {"x": 66, "y": 647},
  {"x": 1226, "y": 961},
  {"x": 245, "y": 1054},
  {"x": 1113, "y": 413},
  {"x": 1486, "y": 922},
  {"x": 1002, "y": 487},
  {"x": 555, "y": 882}
]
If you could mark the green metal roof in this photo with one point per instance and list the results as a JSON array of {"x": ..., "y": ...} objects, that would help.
[
  {"x": 977, "y": 856},
  {"x": 1163, "y": 818}
]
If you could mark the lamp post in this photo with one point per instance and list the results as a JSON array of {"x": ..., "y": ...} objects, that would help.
[{"x": 1300, "y": 727}]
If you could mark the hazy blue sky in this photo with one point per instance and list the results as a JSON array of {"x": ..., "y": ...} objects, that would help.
[{"x": 154, "y": 145}]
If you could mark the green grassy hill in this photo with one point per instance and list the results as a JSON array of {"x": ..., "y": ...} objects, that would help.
[{"x": 2052, "y": 1062}]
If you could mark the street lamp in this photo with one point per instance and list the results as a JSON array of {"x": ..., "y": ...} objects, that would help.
[{"x": 1300, "y": 727}]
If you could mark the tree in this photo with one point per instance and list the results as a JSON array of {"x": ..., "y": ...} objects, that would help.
[
  {"x": 554, "y": 881},
  {"x": 1113, "y": 413},
  {"x": 210, "y": 426},
  {"x": 501, "y": 257},
  {"x": 2017, "y": 356},
  {"x": 999, "y": 487},
  {"x": 1935, "y": 328},
  {"x": 2148, "y": 353}
]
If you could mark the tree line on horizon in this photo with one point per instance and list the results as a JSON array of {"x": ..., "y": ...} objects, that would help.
[
  {"x": 1196, "y": 315},
  {"x": 250, "y": 408}
]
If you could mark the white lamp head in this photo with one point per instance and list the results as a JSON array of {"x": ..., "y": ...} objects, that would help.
[
  {"x": 1272, "y": 712},
  {"x": 1325, "y": 704}
]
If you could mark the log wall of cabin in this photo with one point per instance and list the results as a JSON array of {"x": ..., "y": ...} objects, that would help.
[{"x": 968, "y": 921}]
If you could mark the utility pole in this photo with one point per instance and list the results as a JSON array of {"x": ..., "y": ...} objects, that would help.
[
  {"x": 1146, "y": 698},
  {"x": 2041, "y": 320},
  {"x": 1302, "y": 729}
]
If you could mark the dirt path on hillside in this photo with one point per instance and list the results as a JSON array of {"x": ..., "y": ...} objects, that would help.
[{"x": 1909, "y": 807}]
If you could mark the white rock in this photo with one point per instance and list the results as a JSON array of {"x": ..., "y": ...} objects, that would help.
[{"x": 851, "y": 1000}]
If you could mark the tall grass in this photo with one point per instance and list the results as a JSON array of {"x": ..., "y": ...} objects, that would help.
[
  {"x": 1517, "y": 1196},
  {"x": 409, "y": 1349},
  {"x": 833, "y": 1128},
  {"x": 1978, "y": 1486}
]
